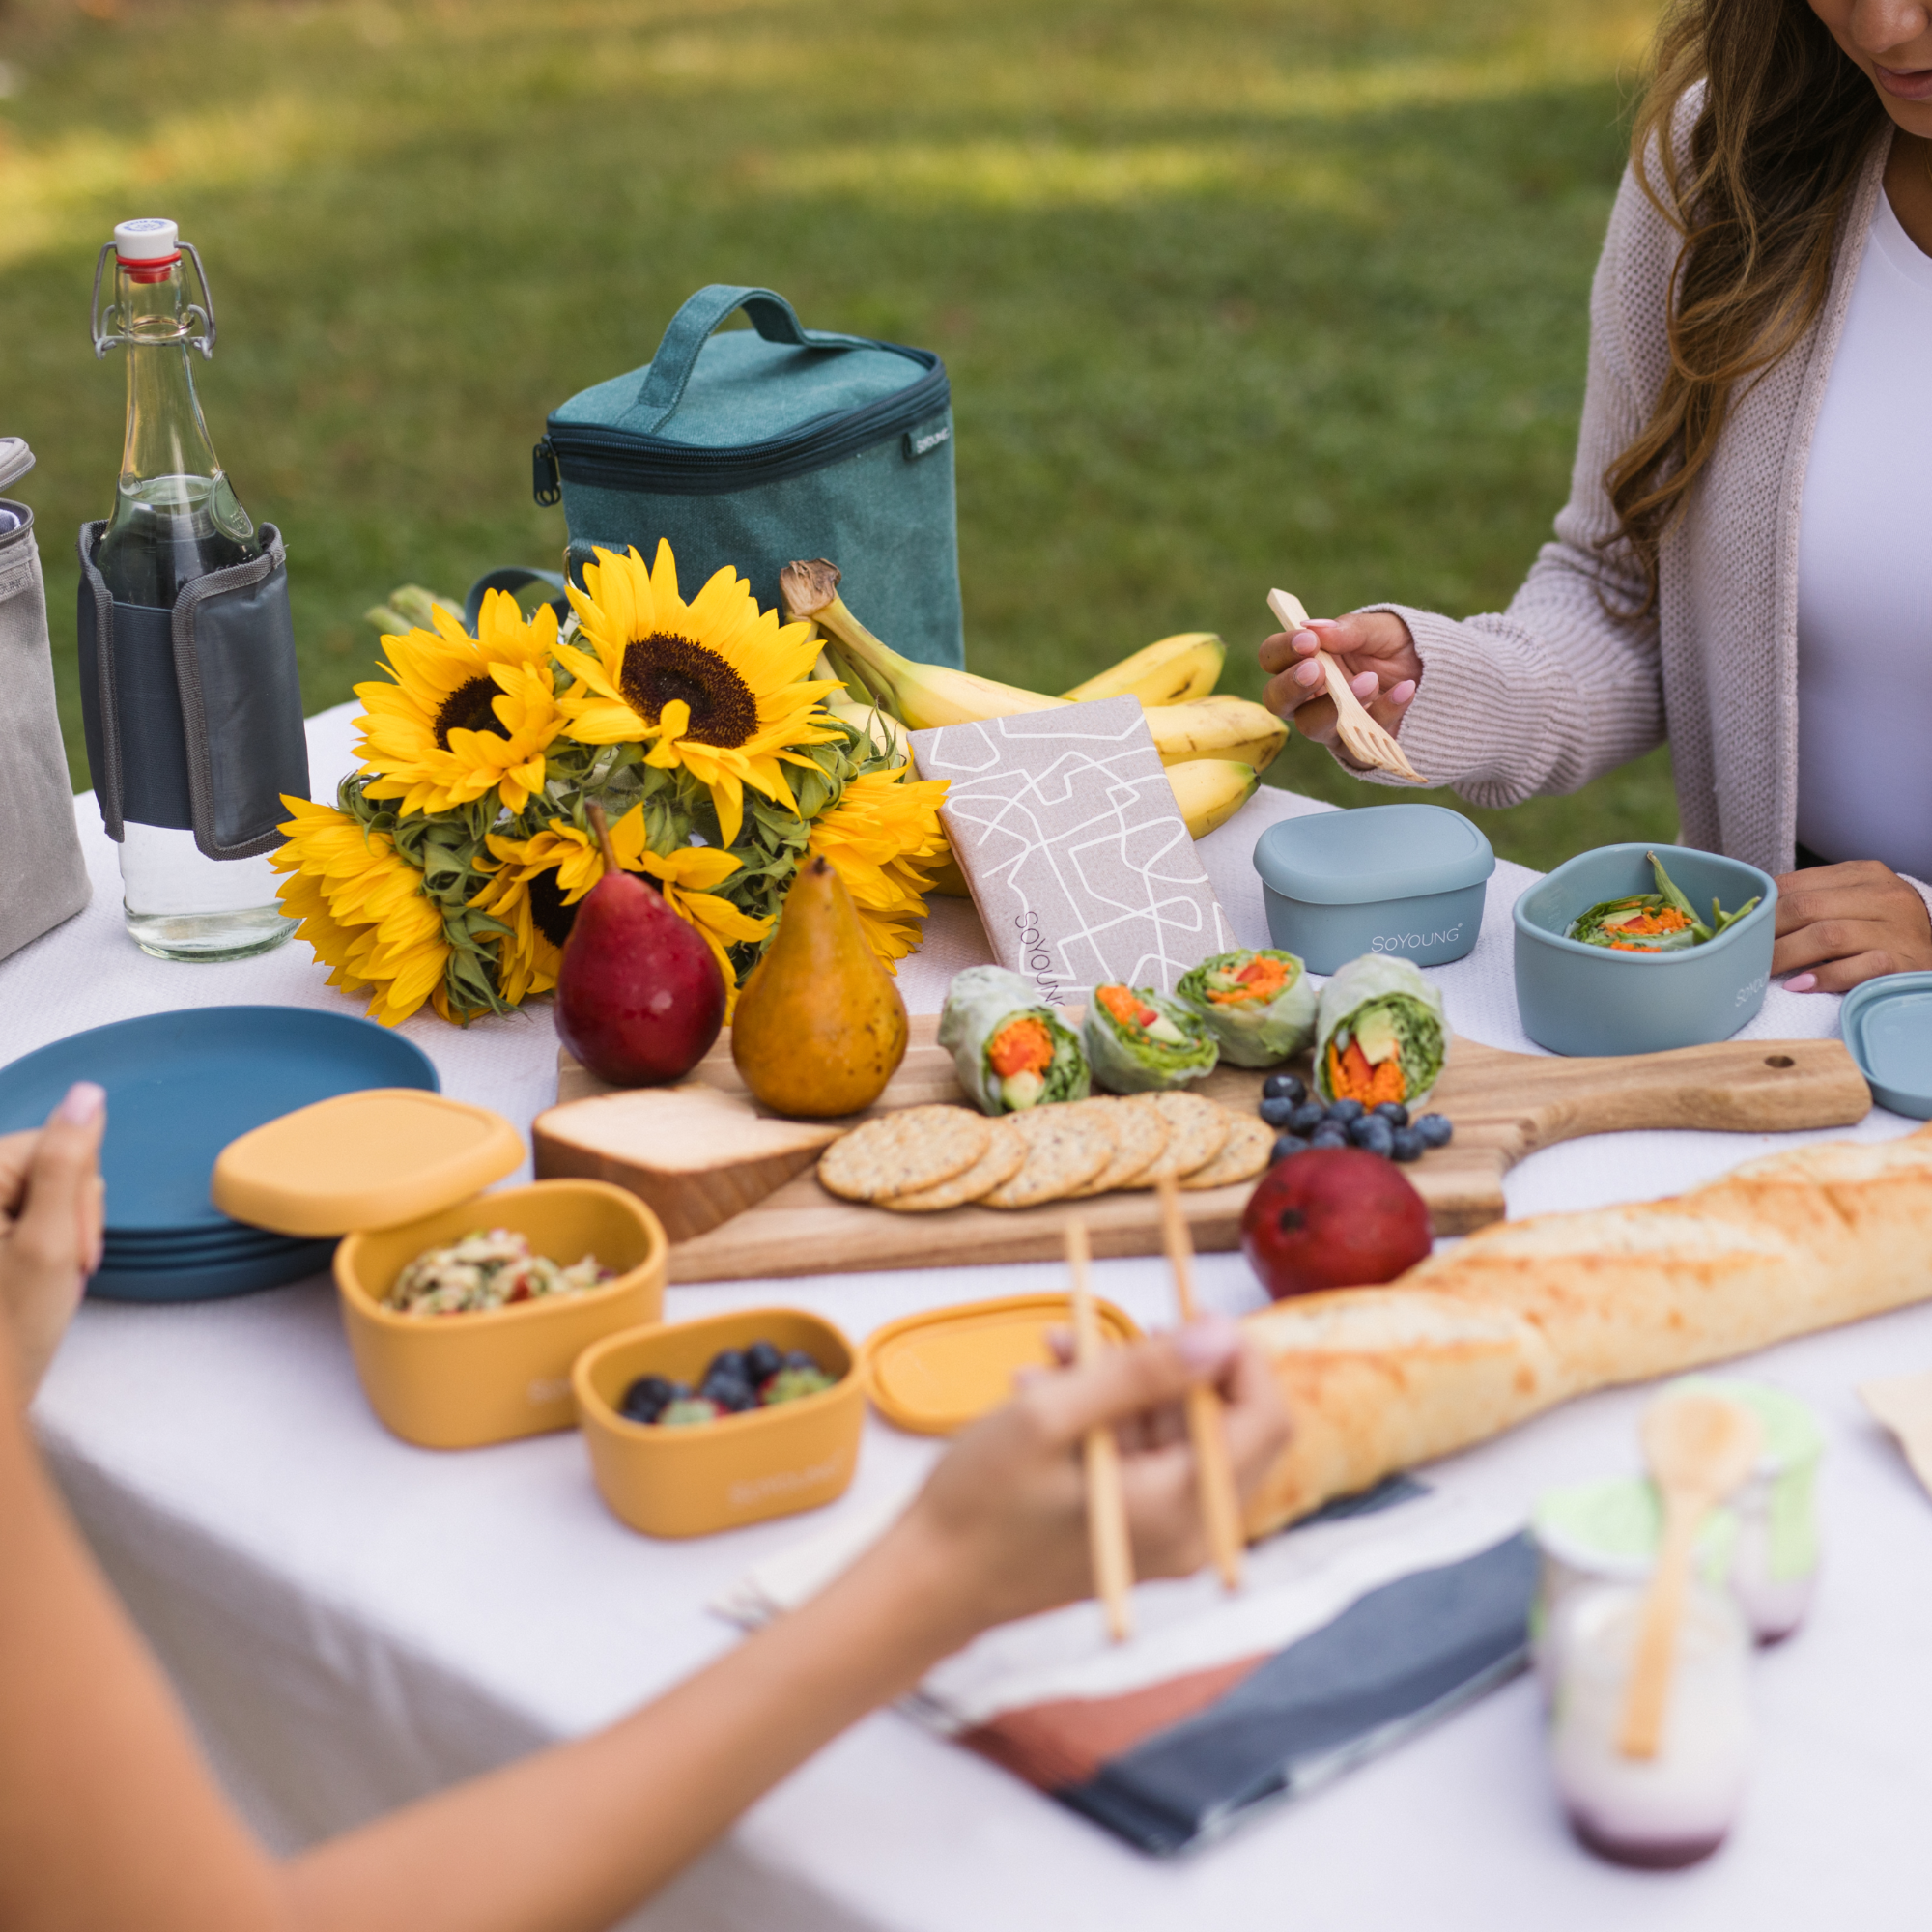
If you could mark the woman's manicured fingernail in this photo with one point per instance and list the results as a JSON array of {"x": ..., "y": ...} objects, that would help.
[
  {"x": 1802, "y": 982},
  {"x": 1207, "y": 1341},
  {"x": 1308, "y": 674},
  {"x": 1366, "y": 685},
  {"x": 83, "y": 1103},
  {"x": 1403, "y": 691},
  {"x": 1305, "y": 641}
]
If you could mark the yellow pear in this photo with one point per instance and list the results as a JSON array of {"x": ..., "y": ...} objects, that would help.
[{"x": 819, "y": 1027}]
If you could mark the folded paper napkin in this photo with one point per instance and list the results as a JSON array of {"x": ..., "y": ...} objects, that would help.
[
  {"x": 1354, "y": 1630},
  {"x": 1904, "y": 1404}
]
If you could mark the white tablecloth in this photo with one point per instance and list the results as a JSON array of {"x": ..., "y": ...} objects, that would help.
[{"x": 354, "y": 1622}]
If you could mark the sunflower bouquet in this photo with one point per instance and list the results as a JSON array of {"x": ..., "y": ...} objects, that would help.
[{"x": 449, "y": 870}]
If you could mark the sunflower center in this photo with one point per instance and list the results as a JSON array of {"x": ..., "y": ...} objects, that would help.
[
  {"x": 663, "y": 668},
  {"x": 466, "y": 709},
  {"x": 548, "y": 912}
]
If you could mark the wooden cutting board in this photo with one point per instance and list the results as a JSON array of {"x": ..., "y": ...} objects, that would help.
[{"x": 736, "y": 1190}]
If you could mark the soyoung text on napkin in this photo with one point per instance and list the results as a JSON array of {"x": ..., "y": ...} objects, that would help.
[{"x": 1077, "y": 856}]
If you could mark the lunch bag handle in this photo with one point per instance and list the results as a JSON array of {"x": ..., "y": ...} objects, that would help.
[
  {"x": 692, "y": 327},
  {"x": 513, "y": 577}
]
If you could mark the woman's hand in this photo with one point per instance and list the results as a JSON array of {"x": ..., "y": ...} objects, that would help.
[
  {"x": 1004, "y": 1515},
  {"x": 51, "y": 1201},
  {"x": 1840, "y": 926},
  {"x": 1372, "y": 647}
]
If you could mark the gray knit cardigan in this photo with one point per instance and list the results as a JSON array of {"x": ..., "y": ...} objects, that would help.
[{"x": 1555, "y": 690}]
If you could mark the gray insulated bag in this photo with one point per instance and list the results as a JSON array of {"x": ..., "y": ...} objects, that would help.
[
  {"x": 765, "y": 444},
  {"x": 44, "y": 879},
  {"x": 193, "y": 714}
]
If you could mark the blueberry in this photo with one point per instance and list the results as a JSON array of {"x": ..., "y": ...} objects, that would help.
[
  {"x": 1306, "y": 1117},
  {"x": 799, "y": 1359},
  {"x": 1393, "y": 1112},
  {"x": 1278, "y": 1112},
  {"x": 1346, "y": 1111},
  {"x": 1286, "y": 1145},
  {"x": 1372, "y": 1133},
  {"x": 1285, "y": 1086},
  {"x": 1435, "y": 1129},
  {"x": 647, "y": 1398},
  {"x": 727, "y": 1362},
  {"x": 761, "y": 1363},
  {"x": 731, "y": 1393},
  {"x": 1406, "y": 1144},
  {"x": 1329, "y": 1134}
]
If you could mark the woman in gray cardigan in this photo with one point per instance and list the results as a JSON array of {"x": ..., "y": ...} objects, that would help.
[{"x": 1744, "y": 563}]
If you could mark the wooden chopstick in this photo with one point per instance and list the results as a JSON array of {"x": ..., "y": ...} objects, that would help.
[
  {"x": 1220, "y": 1505},
  {"x": 1106, "y": 1500}
]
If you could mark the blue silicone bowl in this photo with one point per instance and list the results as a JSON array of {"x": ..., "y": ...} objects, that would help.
[
  {"x": 1887, "y": 1028},
  {"x": 1580, "y": 999},
  {"x": 1402, "y": 879}
]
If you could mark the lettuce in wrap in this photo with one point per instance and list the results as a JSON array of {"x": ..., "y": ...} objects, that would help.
[
  {"x": 1259, "y": 1006},
  {"x": 1661, "y": 921},
  {"x": 1140, "y": 1041},
  {"x": 1379, "y": 1034},
  {"x": 1012, "y": 1050}
]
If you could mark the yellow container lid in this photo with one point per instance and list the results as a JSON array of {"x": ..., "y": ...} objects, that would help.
[
  {"x": 370, "y": 1159},
  {"x": 935, "y": 1372}
]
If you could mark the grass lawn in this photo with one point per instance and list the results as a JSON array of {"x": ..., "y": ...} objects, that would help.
[{"x": 1232, "y": 293}]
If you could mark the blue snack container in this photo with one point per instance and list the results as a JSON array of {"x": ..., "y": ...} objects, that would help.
[
  {"x": 1887, "y": 1028},
  {"x": 1401, "y": 880},
  {"x": 1578, "y": 999}
]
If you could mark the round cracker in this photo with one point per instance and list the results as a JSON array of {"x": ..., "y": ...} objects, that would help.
[
  {"x": 1067, "y": 1146},
  {"x": 905, "y": 1151},
  {"x": 1140, "y": 1138},
  {"x": 1244, "y": 1155},
  {"x": 1197, "y": 1130},
  {"x": 1006, "y": 1153}
]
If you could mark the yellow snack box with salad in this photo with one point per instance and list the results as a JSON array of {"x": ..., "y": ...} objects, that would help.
[{"x": 1012, "y": 1050}]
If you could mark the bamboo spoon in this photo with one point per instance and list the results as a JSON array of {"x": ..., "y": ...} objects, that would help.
[
  {"x": 1220, "y": 1504},
  {"x": 1699, "y": 1448},
  {"x": 1106, "y": 1500},
  {"x": 1364, "y": 740}
]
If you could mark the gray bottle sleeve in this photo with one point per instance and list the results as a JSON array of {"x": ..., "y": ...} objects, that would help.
[{"x": 193, "y": 714}]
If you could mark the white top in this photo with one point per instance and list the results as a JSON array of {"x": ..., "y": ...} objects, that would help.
[
  {"x": 1864, "y": 575},
  {"x": 148, "y": 239}
]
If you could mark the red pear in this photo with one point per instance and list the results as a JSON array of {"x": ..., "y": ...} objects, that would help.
[{"x": 639, "y": 996}]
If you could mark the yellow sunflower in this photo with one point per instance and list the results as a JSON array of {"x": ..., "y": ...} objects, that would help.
[
  {"x": 540, "y": 880},
  {"x": 883, "y": 839},
  {"x": 715, "y": 685},
  {"x": 362, "y": 908},
  {"x": 463, "y": 713}
]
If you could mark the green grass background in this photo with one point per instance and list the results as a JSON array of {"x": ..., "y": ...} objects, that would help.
[{"x": 1232, "y": 294}]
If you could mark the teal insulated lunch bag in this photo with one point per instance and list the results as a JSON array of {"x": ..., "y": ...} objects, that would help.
[{"x": 762, "y": 445}]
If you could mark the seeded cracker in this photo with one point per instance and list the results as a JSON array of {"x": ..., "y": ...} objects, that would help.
[
  {"x": 1006, "y": 1151},
  {"x": 1140, "y": 1136},
  {"x": 903, "y": 1152},
  {"x": 1245, "y": 1153},
  {"x": 1067, "y": 1147},
  {"x": 1197, "y": 1130}
]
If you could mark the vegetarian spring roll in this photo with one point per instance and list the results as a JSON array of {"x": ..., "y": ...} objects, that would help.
[
  {"x": 1661, "y": 921},
  {"x": 1259, "y": 1006},
  {"x": 1011, "y": 1051},
  {"x": 1141, "y": 1041},
  {"x": 1379, "y": 1034}
]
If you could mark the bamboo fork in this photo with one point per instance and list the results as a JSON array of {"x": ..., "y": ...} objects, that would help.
[
  {"x": 1220, "y": 1505},
  {"x": 1364, "y": 740},
  {"x": 1106, "y": 1500}
]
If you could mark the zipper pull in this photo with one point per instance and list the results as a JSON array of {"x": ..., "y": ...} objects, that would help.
[{"x": 546, "y": 483}]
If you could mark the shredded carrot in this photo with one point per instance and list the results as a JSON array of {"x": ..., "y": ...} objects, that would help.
[
  {"x": 1666, "y": 919},
  {"x": 1023, "y": 1047},
  {"x": 1261, "y": 979},
  {"x": 1350, "y": 1077},
  {"x": 1124, "y": 1003}
]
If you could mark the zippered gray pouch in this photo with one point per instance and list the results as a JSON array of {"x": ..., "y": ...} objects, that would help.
[{"x": 193, "y": 714}]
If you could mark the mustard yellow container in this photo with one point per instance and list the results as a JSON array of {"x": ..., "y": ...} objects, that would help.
[
  {"x": 400, "y": 1170},
  {"x": 740, "y": 1469}
]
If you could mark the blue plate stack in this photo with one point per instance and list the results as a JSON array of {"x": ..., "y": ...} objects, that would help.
[{"x": 180, "y": 1087}]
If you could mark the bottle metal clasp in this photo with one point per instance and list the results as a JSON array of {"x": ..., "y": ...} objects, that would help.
[{"x": 109, "y": 329}]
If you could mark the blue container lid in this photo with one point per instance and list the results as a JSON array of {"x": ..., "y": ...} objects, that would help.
[
  {"x": 1373, "y": 852},
  {"x": 1887, "y": 1028}
]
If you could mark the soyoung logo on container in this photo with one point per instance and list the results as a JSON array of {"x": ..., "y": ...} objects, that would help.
[
  {"x": 781, "y": 1481},
  {"x": 1414, "y": 942},
  {"x": 1751, "y": 990}
]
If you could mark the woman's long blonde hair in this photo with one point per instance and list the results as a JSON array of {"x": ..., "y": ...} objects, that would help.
[{"x": 1785, "y": 124}]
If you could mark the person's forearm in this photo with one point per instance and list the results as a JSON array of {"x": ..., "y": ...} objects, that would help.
[{"x": 575, "y": 1837}]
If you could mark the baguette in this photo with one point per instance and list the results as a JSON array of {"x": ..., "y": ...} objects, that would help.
[{"x": 1525, "y": 1314}]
